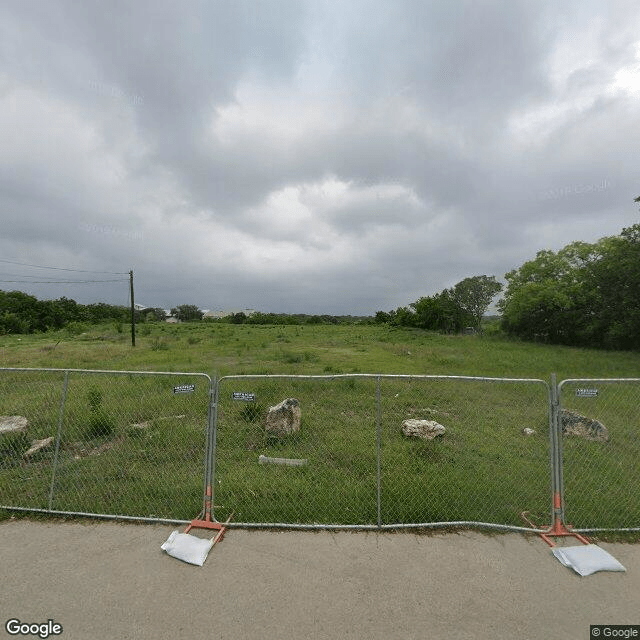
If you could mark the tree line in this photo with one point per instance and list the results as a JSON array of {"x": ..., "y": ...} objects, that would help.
[
  {"x": 585, "y": 294},
  {"x": 449, "y": 311},
  {"x": 23, "y": 313}
]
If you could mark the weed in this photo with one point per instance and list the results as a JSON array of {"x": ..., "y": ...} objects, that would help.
[
  {"x": 144, "y": 330},
  {"x": 252, "y": 411},
  {"x": 159, "y": 344},
  {"x": 99, "y": 425},
  {"x": 12, "y": 448}
]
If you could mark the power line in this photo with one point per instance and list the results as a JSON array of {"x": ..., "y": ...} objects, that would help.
[
  {"x": 24, "y": 275},
  {"x": 62, "y": 281},
  {"x": 38, "y": 266}
]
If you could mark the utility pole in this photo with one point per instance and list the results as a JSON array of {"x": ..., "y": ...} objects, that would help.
[{"x": 133, "y": 312}]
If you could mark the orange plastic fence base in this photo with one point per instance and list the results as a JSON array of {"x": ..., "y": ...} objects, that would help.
[
  {"x": 208, "y": 523},
  {"x": 559, "y": 530}
]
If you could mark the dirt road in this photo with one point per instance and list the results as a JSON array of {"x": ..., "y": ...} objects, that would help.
[{"x": 111, "y": 581}]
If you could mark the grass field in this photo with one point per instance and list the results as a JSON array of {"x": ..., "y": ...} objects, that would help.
[
  {"x": 483, "y": 469},
  {"x": 311, "y": 349}
]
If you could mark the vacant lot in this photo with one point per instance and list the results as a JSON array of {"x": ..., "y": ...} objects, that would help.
[{"x": 130, "y": 446}]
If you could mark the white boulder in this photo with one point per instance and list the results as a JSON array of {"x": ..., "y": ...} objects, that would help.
[
  {"x": 424, "y": 429},
  {"x": 284, "y": 418}
]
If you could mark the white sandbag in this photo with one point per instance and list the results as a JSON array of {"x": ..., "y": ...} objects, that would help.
[
  {"x": 188, "y": 548},
  {"x": 587, "y": 559}
]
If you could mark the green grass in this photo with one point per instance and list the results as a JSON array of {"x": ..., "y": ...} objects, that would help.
[{"x": 483, "y": 469}]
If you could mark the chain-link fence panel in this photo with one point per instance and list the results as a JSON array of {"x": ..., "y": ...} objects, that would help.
[
  {"x": 491, "y": 462},
  {"x": 119, "y": 443},
  {"x": 600, "y": 426},
  {"x": 30, "y": 405},
  {"x": 320, "y": 474}
]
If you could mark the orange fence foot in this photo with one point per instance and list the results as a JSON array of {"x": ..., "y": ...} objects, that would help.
[{"x": 559, "y": 530}]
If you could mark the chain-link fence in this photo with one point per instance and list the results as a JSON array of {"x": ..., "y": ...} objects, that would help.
[
  {"x": 149, "y": 444},
  {"x": 491, "y": 464},
  {"x": 323, "y": 473},
  {"x": 104, "y": 442},
  {"x": 350, "y": 463},
  {"x": 599, "y": 450}
]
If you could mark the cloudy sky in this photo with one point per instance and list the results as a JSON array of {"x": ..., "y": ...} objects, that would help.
[{"x": 315, "y": 156}]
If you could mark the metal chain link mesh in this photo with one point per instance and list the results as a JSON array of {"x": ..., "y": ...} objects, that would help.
[
  {"x": 336, "y": 481},
  {"x": 133, "y": 444},
  {"x": 29, "y": 411},
  {"x": 601, "y": 468},
  {"x": 129, "y": 444},
  {"x": 483, "y": 469}
]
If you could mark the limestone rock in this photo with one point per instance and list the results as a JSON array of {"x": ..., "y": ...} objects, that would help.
[
  {"x": 284, "y": 418},
  {"x": 425, "y": 429},
  {"x": 13, "y": 424},
  {"x": 576, "y": 424},
  {"x": 37, "y": 446}
]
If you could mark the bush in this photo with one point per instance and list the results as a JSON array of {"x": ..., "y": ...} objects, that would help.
[
  {"x": 75, "y": 328},
  {"x": 144, "y": 330},
  {"x": 100, "y": 425}
]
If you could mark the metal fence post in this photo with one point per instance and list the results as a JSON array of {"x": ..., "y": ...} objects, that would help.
[
  {"x": 557, "y": 427},
  {"x": 556, "y": 456},
  {"x": 58, "y": 436},
  {"x": 211, "y": 442},
  {"x": 378, "y": 453}
]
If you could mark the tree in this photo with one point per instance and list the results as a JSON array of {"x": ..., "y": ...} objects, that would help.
[
  {"x": 583, "y": 295},
  {"x": 187, "y": 312},
  {"x": 549, "y": 298},
  {"x": 474, "y": 295},
  {"x": 238, "y": 318},
  {"x": 154, "y": 314}
]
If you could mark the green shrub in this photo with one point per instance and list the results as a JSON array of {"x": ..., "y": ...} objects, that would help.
[
  {"x": 99, "y": 425},
  {"x": 94, "y": 397},
  {"x": 75, "y": 328},
  {"x": 144, "y": 330}
]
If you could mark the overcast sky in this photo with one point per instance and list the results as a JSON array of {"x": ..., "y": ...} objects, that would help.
[{"x": 315, "y": 156}]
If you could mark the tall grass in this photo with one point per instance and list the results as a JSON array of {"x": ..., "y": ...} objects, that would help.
[{"x": 483, "y": 469}]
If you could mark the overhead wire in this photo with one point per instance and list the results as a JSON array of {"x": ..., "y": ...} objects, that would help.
[
  {"x": 38, "y": 266},
  {"x": 62, "y": 281}
]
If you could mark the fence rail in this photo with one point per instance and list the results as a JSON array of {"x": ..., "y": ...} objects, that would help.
[{"x": 149, "y": 445}]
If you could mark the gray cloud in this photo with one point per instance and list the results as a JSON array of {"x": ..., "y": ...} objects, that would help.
[{"x": 311, "y": 157}]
